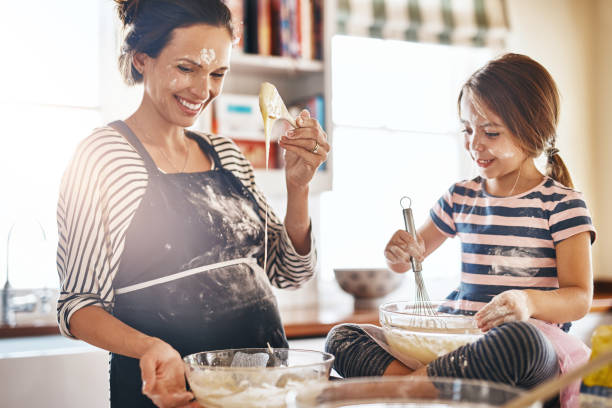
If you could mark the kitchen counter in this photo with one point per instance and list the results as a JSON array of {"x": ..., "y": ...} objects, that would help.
[
  {"x": 299, "y": 323},
  {"x": 315, "y": 321}
]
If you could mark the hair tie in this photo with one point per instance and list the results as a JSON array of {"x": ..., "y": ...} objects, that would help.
[{"x": 552, "y": 151}]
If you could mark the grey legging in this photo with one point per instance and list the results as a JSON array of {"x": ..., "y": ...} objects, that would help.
[{"x": 515, "y": 353}]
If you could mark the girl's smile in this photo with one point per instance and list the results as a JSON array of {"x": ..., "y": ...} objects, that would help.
[
  {"x": 505, "y": 166},
  {"x": 490, "y": 143}
]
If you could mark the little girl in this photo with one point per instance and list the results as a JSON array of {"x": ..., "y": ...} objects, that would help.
[{"x": 526, "y": 241}]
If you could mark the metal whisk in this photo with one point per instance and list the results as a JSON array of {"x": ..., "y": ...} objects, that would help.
[{"x": 423, "y": 305}]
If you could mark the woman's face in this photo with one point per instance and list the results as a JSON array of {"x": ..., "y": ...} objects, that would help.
[
  {"x": 491, "y": 145},
  {"x": 188, "y": 73}
]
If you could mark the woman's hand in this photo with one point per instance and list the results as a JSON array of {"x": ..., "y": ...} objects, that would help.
[
  {"x": 508, "y": 306},
  {"x": 401, "y": 247},
  {"x": 306, "y": 148},
  {"x": 163, "y": 377}
]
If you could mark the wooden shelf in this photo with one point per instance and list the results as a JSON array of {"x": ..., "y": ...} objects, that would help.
[{"x": 258, "y": 64}]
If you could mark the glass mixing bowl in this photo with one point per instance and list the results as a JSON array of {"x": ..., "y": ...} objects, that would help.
[
  {"x": 254, "y": 377},
  {"x": 405, "y": 392},
  {"x": 410, "y": 332}
]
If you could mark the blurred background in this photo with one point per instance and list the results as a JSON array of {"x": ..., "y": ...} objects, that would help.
[{"x": 382, "y": 76}]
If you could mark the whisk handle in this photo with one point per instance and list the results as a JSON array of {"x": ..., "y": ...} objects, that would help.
[{"x": 409, "y": 223}]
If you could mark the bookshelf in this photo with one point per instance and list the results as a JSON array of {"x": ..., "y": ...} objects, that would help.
[
  {"x": 296, "y": 79},
  {"x": 253, "y": 64}
]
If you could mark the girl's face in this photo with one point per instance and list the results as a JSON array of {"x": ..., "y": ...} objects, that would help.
[
  {"x": 491, "y": 145},
  {"x": 188, "y": 73}
]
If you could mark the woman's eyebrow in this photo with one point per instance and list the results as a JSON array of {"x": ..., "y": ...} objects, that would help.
[{"x": 190, "y": 61}]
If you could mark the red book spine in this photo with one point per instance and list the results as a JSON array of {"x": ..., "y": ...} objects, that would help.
[{"x": 264, "y": 29}]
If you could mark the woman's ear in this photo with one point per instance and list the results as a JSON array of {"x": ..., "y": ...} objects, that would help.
[{"x": 139, "y": 61}]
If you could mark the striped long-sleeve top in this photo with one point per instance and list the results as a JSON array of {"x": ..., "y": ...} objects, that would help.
[
  {"x": 99, "y": 195},
  {"x": 508, "y": 242}
]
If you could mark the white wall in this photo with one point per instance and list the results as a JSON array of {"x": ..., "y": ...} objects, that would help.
[
  {"x": 567, "y": 37},
  {"x": 602, "y": 109}
]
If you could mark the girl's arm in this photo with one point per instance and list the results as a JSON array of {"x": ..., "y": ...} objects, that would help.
[
  {"x": 402, "y": 246},
  {"x": 568, "y": 303},
  {"x": 573, "y": 298}
]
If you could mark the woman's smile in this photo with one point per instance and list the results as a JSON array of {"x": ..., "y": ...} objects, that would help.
[{"x": 190, "y": 108}]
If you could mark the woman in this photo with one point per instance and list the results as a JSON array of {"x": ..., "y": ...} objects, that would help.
[
  {"x": 526, "y": 241},
  {"x": 162, "y": 229}
]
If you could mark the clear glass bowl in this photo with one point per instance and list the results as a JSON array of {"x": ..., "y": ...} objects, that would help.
[
  {"x": 254, "y": 377},
  {"x": 404, "y": 392},
  {"x": 409, "y": 331}
]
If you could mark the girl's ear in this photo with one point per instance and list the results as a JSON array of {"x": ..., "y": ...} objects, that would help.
[{"x": 139, "y": 61}]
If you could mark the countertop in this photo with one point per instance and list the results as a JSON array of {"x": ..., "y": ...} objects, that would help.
[
  {"x": 318, "y": 319},
  {"x": 314, "y": 321}
]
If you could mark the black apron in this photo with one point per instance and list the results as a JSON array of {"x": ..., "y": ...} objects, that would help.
[{"x": 188, "y": 273}]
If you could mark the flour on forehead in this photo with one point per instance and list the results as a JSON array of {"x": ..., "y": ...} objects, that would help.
[{"x": 207, "y": 55}]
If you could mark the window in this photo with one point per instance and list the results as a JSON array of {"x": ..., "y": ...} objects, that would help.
[
  {"x": 50, "y": 100},
  {"x": 395, "y": 134}
]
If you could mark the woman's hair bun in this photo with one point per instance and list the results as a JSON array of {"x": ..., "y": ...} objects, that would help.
[{"x": 127, "y": 10}]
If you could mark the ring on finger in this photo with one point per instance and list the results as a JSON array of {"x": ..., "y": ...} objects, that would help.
[{"x": 315, "y": 149}]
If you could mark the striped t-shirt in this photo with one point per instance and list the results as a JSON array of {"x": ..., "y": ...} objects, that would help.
[
  {"x": 508, "y": 242},
  {"x": 99, "y": 195}
]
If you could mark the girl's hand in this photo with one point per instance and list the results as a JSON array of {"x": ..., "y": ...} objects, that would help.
[
  {"x": 306, "y": 148},
  {"x": 401, "y": 247},
  {"x": 508, "y": 306},
  {"x": 163, "y": 377}
]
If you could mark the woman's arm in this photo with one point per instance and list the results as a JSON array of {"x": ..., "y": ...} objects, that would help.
[
  {"x": 96, "y": 326},
  {"x": 163, "y": 375},
  {"x": 402, "y": 246},
  {"x": 297, "y": 221},
  {"x": 301, "y": 165}
]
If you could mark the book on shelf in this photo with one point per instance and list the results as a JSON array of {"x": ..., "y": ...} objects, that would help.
[
  {"x": 289, "y": 28},
  {"x": 250, "y": 11},
  {"x": 306, "y": 38},
  {"x": 264, "y": 34},
  {"x": 317, "y": 31}
]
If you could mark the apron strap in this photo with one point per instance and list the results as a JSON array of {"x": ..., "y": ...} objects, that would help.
[
  {"x": 206, "y": 147},
  {"x": 125, "y": 131}
]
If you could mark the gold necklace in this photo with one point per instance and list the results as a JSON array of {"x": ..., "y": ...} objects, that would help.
[
  {"x": 148, "y": 139},
  {"x": 172, "y": 164},
  {"x": 515, "y": 181}
]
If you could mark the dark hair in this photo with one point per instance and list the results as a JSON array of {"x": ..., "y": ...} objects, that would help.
[
  {"x": 525, "y": 96},
  {"x": 148, "y": 26}
]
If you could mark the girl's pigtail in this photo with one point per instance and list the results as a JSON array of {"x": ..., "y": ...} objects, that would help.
[{"x": 556, "y": 169}]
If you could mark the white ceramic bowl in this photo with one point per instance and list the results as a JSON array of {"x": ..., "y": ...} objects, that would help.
[
  {"x": 254, "y": 377},
  {"x": 368, "y": 285}
]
